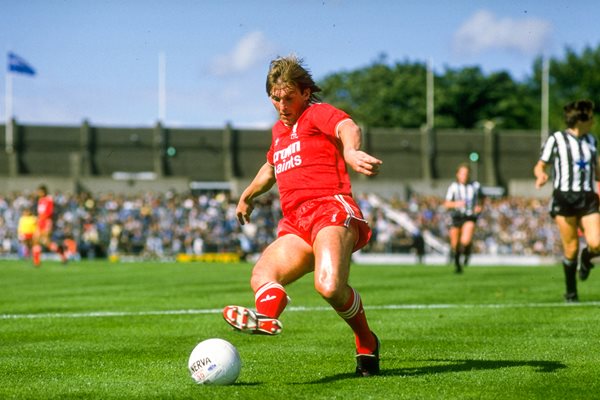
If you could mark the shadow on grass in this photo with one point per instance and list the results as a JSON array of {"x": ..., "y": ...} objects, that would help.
[{"x": 449, "y": 366}]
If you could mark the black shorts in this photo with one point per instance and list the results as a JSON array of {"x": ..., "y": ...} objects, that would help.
[
  {"x": 458, "y": 220},
  {"x": 573, "y": 204}
]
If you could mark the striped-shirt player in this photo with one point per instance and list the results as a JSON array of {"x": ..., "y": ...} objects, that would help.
[
  {"x": 469, "y": 193},
  {"x": 573, "y": 154},
  {"x": 463, "y": 200},
  {"x": 574, "y": 160}
]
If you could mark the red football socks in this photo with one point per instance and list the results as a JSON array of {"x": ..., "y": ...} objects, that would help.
[
  {"x": 271, "y": 299},
  {"x": 354, "y": 314},
  {"x": 36, "y": 254}
]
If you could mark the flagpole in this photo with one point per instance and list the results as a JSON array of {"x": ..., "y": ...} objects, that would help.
[
  {"x": 544, "y": 100},
  {"x": 162, "y": 84},
  {"x": 430, "y": 94},
  {"x": 8, "y": 127}
]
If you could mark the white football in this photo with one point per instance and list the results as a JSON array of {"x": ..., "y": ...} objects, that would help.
[{"x": 214, "y": 362}]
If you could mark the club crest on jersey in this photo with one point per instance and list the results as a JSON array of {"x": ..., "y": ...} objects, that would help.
[{"x": 582, "y": 164}]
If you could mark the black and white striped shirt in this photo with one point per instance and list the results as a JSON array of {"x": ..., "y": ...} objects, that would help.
[
  {"x": 574, "y": 161},
  {"x": 469, "y": 192}
]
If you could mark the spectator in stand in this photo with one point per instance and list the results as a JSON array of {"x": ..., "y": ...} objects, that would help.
[{"x": 508, "y": 225}]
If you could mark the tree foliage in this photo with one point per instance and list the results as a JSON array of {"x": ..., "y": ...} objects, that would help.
[
  {"x": 380, "y": 95},
  {"x": 466, "y": 98},
  {"x": 385, "y": 95},
  {"x": 572, "y": 78}
]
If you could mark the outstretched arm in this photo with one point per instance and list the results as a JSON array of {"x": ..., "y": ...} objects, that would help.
[
  {"x": 361, "y": 162},
  {"x": 262, "y": 182}
]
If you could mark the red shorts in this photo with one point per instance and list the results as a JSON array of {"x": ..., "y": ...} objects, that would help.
[
  {"x": 313, "y": 215},
  {"x": 44, "y": 226}
]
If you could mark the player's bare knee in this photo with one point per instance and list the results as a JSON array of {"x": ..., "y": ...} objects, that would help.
[
  {"x": 260, "y": 276},
  {"x": 329, "y": 291},
  {"x": 258, "y": 279}
]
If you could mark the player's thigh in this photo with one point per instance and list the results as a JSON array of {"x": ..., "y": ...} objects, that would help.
[
  {"x": 333, "y": 252},
  {"x": 591, "y": 230},
  {"x": 454, "y": 234},
  {"x": 44, "y": 236},
  {"x": 466, "y": 234},
  {"x": 285, "y": 260},
  {"x": 567, "y": 227}
]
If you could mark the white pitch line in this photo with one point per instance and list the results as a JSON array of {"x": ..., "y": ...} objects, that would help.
[
  {"x": 95, "y": 314},
  {"x": 108, "y": 314}
]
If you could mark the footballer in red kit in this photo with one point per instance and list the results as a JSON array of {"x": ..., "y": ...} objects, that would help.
[
  {"x": 43, "y": 235},
  {"x": 45, "y": 209},
  {"x": 312, "y": 143},
  {"x": 306, "y": 156},
  {"x": 310, "y": 171}
]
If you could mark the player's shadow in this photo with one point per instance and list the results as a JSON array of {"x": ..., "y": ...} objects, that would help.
[{"x": 450, "y": 366}]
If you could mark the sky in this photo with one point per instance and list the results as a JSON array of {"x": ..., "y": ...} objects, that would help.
[{"x": 98, "y": 60}]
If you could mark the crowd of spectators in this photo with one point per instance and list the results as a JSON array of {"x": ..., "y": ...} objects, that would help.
[
  {"x": 506, "y": 226},
  {"x": 159, "y": 225},
  {"x": 149, "y": 225}
]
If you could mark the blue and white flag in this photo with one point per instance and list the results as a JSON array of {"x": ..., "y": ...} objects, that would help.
[{"x": 17, "y": 64}]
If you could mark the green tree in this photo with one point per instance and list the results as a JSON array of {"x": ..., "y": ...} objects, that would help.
[
  {"x": 385, "y": 95},
  {"x": 514, "y": 104},
  {"x": 466, "y": 97},
  {"x": 571, "y": 78},
  {"x": 395, "y": 96},
  {"x": 380, "y": 95}
]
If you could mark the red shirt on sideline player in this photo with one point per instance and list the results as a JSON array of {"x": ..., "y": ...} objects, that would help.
[
  {"x": 45, "y": 210},
  {"x": 43, "y": 235},
  {"x": 322, "y": 225}
]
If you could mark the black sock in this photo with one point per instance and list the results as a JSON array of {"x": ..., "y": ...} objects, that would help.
[
  {"x": 587, "y": 255},
  {"x": 467, "y": 251},
  {"x": 570, "y": 269},
  {"x": 457, "y": 254}
]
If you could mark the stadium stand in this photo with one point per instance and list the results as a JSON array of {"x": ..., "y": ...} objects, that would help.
[
  {"x": 87, "y": 156},
  {"x": 154, "y": 188}
]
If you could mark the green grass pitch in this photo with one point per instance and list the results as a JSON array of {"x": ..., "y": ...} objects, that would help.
[{"x": 100, "y": 330}]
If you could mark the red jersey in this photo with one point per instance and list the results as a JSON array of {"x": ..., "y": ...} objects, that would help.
[
  {"x": 308, "y": 158},
  {"x": 45, "y": 207}
]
